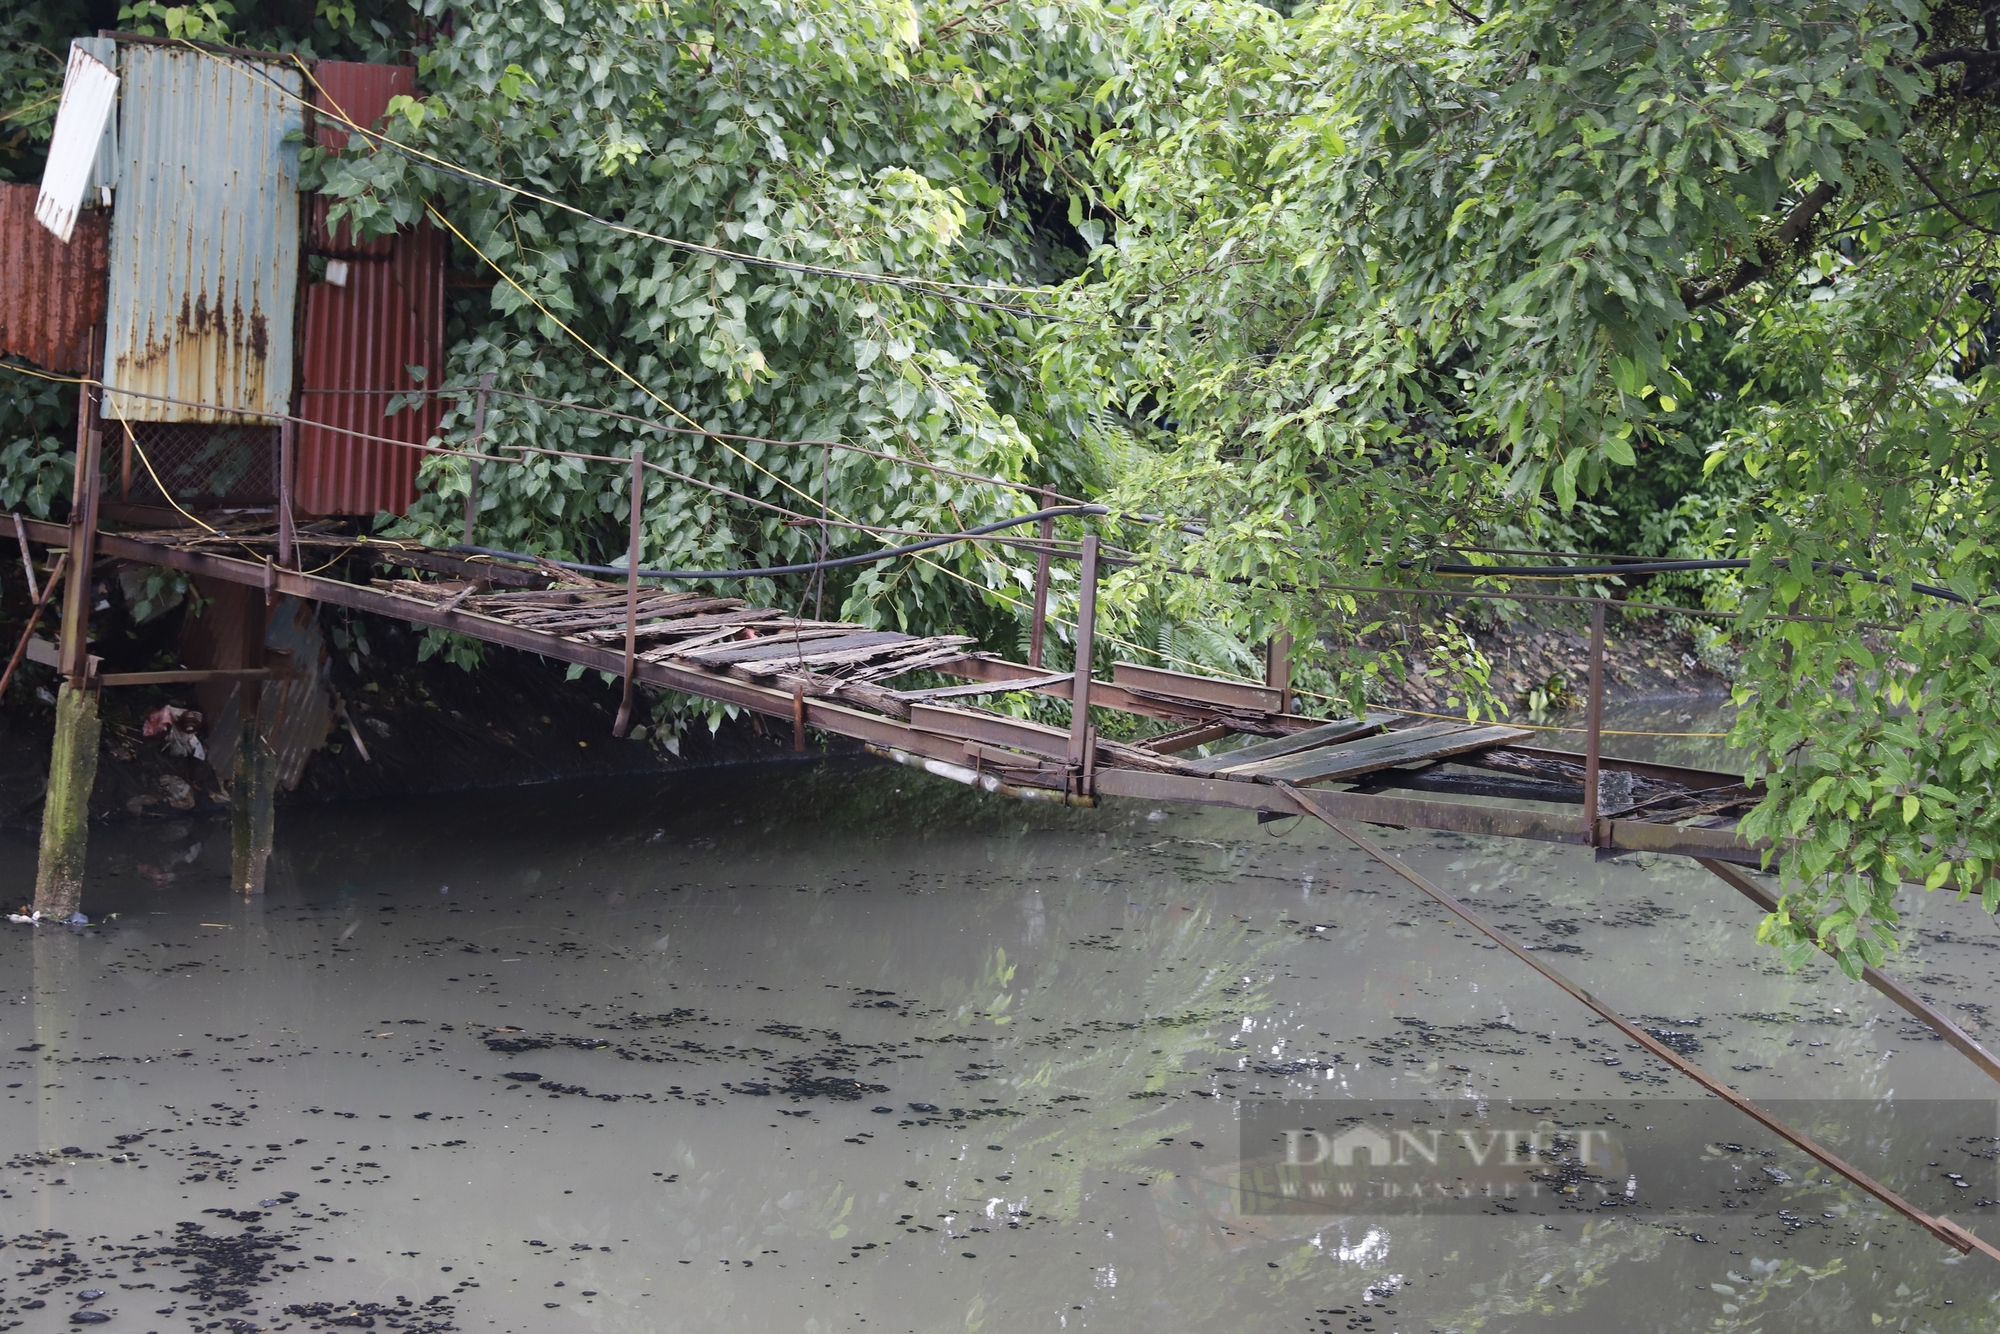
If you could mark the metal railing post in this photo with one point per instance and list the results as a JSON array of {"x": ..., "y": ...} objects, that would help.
[
  {"x": 1278, "y": 668},
  {"x": 1080, "y": 740},
  {"x": 1038, "y": 632},
  {"x": 472, "y": 464},
  {"x": 77, "y": 594},
  {"x": 287, "y": 457},
  {"x": 624, "y": 723},
  {"x": 1593, "y": 726}
]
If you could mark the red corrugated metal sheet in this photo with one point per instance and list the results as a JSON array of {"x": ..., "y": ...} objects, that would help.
[
  {"x": 361, "y": 93},
  {"x": 51, "y": 295},
  {"x": 364, "y": 336}
]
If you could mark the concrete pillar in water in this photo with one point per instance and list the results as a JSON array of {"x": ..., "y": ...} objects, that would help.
[
  {"x": 253, "y": 790},
  {"x": 73, "y": 758},
  {"x": 66, "y": 812}
]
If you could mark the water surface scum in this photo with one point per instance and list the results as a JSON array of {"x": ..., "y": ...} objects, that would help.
[{"x": 837, "y": 1048}]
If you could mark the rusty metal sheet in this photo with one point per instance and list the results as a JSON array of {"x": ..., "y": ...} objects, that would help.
[
  {"x": 361, "y": 341},
  {"x": 205, "y": 238},
  {"x": 296, "y": 714},
  {"x": 348, "y": 90},
  {"x": 51, "y": 294}
]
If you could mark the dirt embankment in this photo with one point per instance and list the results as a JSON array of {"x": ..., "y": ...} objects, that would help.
[{"x": 1547, "y": 667}]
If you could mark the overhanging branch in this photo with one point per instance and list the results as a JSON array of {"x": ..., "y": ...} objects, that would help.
[{"x": 1771, "y": 253}]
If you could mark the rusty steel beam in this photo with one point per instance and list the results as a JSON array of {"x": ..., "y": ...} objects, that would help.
[
  {"x": 1038, "y": 628},
  {"x": 1198, "y": 691},
  {"x": 1946, "y": 1231},
  {"x": 79, "y": 539},
  {"x": 994, "y": 728},
  {"x": 1888, "y": 986},
  {"x": 1593, "y": 727},
  {"x": 1081, "y": 747},
  {"x": 770, "y": 701},
  {"x": 1679, "y": 840}
]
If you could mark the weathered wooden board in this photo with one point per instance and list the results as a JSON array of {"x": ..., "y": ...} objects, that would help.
[
  {"x": 1341, "y": 729},
  {"x": 1433, "y": 741},
  {"x": 797, "y": 645}
]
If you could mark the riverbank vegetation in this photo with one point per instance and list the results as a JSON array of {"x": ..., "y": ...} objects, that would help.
[{"x": 1313, "y": 298}]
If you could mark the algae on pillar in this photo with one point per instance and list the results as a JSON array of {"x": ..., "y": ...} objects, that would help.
[
  {"x": 66, "y": 813},
  {"x": 253, "y": 790}
]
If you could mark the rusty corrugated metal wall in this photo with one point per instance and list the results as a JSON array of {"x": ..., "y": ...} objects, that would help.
[
  {"x": 365, "y": 337},
  {"x": 362, "y": 338},
  {"x": 360, "y": 93},
  {"x": 205, "y": 236},
  {"x": 51, "y": 294}
]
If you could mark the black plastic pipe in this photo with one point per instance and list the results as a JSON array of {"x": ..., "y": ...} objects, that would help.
[
  {"x": 1671, "y": 566},
  {"x": 809, "y": 567}
]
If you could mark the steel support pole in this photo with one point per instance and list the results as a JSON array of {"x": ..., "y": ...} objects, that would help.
[
  {"x": 1086, "y": 648},
  {"x": 1593, "y": 725},
  {"x": 287, "y": 473},
  {"x": 253, "y": 787},
  {"x": 1278, "y": 668},
  {"x": 477, "y": 444},
  {"x": 624, "y": 723},
  {"x": 77, "y": 595},
  {"x": 1038, "y": 630},
  {"x": 1943, "y": 1229}
]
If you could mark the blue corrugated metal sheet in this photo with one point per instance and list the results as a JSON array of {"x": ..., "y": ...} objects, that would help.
[
  {"x": 104, "y": 169},
  {"x": 205, "y": 236}
]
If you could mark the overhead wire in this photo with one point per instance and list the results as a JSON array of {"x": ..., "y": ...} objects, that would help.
[
  {"x": 937, "y": 287},
  {"x": 807, "y": 567}
]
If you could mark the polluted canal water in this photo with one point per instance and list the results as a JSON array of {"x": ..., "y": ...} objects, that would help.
[{"x": 841, "y": 1047}]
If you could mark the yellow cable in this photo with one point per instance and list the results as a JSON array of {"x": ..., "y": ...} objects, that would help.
[
  {"x": 44, "y": 375},
  {"x": 22, "y": 111}
]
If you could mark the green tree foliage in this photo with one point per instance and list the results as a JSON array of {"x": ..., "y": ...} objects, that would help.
[
  {"x": 1407, "y": 272},
  {"x": 925, "y": 141}
]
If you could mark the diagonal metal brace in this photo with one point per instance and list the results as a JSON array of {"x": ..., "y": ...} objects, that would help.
[
  {"x": 1946, "y": 1231},
  {"x": 1737, "y": 880}
]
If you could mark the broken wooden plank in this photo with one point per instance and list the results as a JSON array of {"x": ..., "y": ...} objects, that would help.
[
  {"x": 1328, "y": 734},
  {"x": 1328, "y": 764},
  {"x": 1186, "y": 738},
  {"x": 682, "y": 625},
  {"x": 978, "y": 689},
  {"x": 679, "y": 646},
  {"x": 941, "y": 650},
  {"x": 794, "y": 645}
]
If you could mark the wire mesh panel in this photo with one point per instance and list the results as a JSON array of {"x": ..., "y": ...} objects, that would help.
[{"x": 201, "y": 465}]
